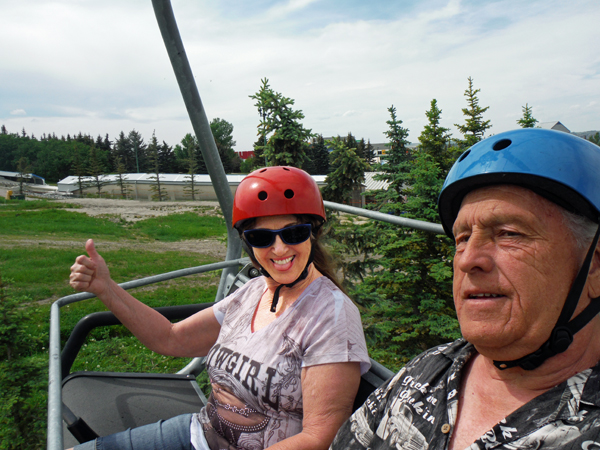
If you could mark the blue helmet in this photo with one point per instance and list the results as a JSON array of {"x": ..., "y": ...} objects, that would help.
[{"x": 559, "y": 166}]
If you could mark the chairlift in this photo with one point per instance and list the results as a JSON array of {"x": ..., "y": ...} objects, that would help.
[{"x": 84, "y": 405}]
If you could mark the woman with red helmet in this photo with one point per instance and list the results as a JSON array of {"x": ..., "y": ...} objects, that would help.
[{"x": 285, "y": 352}]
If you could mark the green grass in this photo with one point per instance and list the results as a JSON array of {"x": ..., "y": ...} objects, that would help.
[
  {"x": 48, "y": 221},
  {"x": 57, "y": 223},
  {"x": 34, "y": 270},
  {"x": 21, "y": 205},
  {"x": 41, "y": 273},
  {"x": 175, "y": 227}
]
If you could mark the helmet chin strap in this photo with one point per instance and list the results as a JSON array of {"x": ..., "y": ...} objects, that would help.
[
  {"x": 302, "y": 276},
  {"x": 563, "y": 332}
]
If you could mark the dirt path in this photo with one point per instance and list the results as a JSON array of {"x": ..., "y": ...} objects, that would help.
[{"x": 131, "y": 211}]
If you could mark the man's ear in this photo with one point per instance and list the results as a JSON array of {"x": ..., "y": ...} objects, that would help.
[{"x": 594, "y": 274}]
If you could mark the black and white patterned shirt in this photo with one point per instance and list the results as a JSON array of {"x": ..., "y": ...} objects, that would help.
[{"x": 417, "y": 408}]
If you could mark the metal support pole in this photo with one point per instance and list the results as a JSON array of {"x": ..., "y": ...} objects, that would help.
[{"x": 191, "y": 97}]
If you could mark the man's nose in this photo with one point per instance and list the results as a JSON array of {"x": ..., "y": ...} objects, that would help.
[{"x": 476, "y": 254}]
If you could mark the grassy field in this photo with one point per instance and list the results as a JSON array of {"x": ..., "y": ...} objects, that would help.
[{"x": 39, "y": 241}]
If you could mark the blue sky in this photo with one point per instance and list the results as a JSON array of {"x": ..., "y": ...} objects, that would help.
[{"x": 69, "y": 66}]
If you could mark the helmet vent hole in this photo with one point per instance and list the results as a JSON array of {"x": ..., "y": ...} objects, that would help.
[
  {"x": 288, "y": 193},
  {"x": 262, "y": 195},
  {"x": 464, "y": 155},
  {"x": 501, "y": 144}
]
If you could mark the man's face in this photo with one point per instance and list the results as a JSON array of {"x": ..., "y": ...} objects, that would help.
[{"x": 514, "y": 264}]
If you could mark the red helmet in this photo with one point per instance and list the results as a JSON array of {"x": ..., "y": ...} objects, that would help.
[{"x": 274, "y": 191}]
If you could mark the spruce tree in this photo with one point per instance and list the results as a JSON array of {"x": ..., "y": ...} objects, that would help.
[
  {"x": 286, "y": 137},
  {"x": 317, "y": 161},
  {"x": 159, "y": 191},
  {"x": 96, "y": 169},
  {"x": 527, "y": 121},
  {"x": 137, "y": 147},
  {"x": 347, "y": 172},
  {"x": 190, "y": 147},
  {"x": 123, "y": 149},
  {"x": 475, "y": 127},
  {"x": 396, "y": 163},
  {"x": 79, "y": 165},
  {"x": 403, "y": 277},
  {"x": 121, "y": 170},
  {"x": 435, "y": 139},
  {"x": 369, "y": 153}
]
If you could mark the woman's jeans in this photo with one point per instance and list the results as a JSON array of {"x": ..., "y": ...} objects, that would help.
[{"x": 171, "y": 434}]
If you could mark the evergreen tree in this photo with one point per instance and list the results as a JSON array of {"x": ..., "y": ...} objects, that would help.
[
  {"x": 79, "y": 165},
  {"x": 287, "y": 138},
  {"x": 351, "y": 142},
  {"x": 369, "y": 153},
  {"x": 222, "y": 132},
  {"x": 317, "y": 162},
  {"x": 361, "y": 148},
  {"x": 475, "y": 127},
  {"x": 24, "y": 173},
  {"x": 166, "y": 156},
  {"x": 527, "y": 121},
  {"x": 121, "y": 170},
  {"x": 403, "y": 277},
  {"x": 595, "y": 138},
  {"x": 347, "y": 172},
  {"x": 159, "y": 191},
  {"x": 190, "y": 144},
  {"x": 97, "y": 169},
  {"x": 122, "y": 149},
  {"x": 396, "y": 163},
  {"x": 138, "y": 150},
  {"x": 435, "y": 140}
]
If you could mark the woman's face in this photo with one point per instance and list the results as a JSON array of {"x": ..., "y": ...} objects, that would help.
[{"x": 284, "y": 262}]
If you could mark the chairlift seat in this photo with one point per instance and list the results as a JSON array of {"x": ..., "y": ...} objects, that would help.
[{"x": 110, "y": 402}]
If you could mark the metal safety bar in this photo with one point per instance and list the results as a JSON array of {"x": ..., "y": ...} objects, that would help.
[
  {"x": 403, "y": 222},
  {"x": 55, "y": 429}
]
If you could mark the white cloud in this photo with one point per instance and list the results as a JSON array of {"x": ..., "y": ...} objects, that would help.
[
  {"x": 18, "y": 112},
  {"x": 102, "y": 68}
]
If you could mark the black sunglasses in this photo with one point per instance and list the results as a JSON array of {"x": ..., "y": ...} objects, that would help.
[{"x": 292, "y": 235}]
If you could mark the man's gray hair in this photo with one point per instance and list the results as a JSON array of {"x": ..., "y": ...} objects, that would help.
[{"x": 582, "y": 228}]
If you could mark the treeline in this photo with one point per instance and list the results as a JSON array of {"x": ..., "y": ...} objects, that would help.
[{"x": 55, "y": 158}]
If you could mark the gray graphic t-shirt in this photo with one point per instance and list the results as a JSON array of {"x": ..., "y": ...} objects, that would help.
[
  {"x": 417, "y": 409},
  {"x": 256, "y": 397}
]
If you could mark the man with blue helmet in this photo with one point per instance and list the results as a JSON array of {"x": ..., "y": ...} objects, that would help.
[{"x": 524, "y": 210}]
